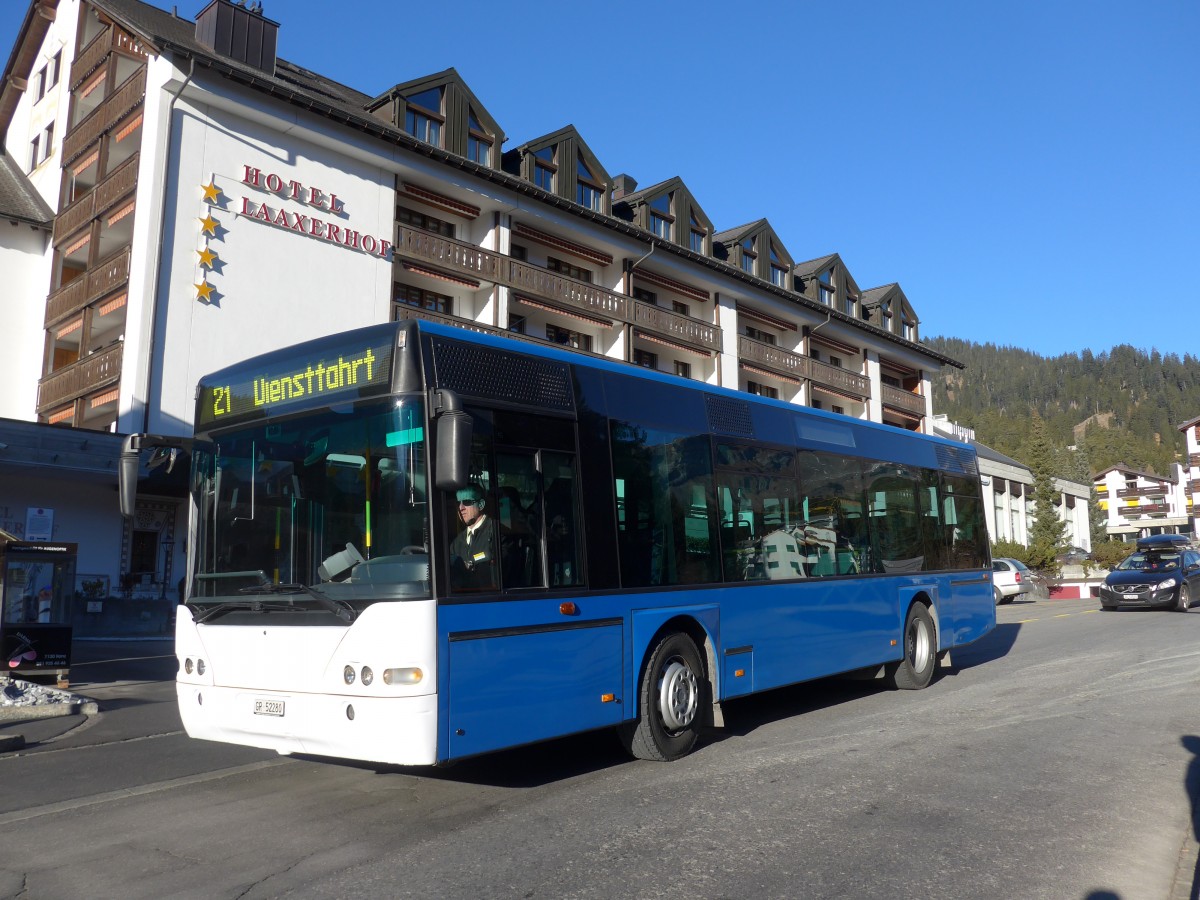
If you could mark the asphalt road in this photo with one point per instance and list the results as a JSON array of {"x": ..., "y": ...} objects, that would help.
[{"x": 1058, "y": 758}]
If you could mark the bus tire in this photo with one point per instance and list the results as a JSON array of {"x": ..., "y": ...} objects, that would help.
[
  {"x": 670, "y": 698},
  {"x": 916, "y": 669}
]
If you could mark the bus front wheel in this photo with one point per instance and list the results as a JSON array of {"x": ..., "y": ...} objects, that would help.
[
  {"x": 915, "y": 670},
  {"x": 672, "y": 689}
]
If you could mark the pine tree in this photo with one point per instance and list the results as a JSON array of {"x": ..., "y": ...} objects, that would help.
[{"x": 1048, "y": 532}]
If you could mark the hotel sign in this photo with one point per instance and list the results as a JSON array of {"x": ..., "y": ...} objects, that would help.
[{"x": 322, "y": 215}]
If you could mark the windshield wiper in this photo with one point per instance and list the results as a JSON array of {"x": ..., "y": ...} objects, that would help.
[
  {"x": 342, "y": 610},
  {"x": 220, "y": 609}
]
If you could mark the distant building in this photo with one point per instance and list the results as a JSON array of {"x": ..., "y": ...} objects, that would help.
[
  {"x": 1191, "y": 473},
  {"x": 1138, "y": 504},
  {"x": 1008, "y": 493}
]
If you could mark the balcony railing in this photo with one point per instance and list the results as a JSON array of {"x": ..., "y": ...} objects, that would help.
[
  {"x": 899, "y": 398},
  {"x": 1194, "y": 459},
  {"x": 1147, "y": 509},
  {"x": 102, "y": 279},
  {"x": 773, "y": 359},
  {"x": 450, "y": 255},
  {"x": 99, "y": 370},
  {"x": 1146, "y": 490},
  {"x": 671, "y": 324},
  {"x": 97, "y": 201},
  {"x": 840, "y": 379},
  {"x": 457, "y": 258},
  {"x": 569, "y": 292},
  {"x": 105, "y": 116},
  {"x": 97, "y": 50}
]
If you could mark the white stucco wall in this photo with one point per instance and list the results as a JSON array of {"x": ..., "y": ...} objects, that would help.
[{"x": 25, "y": 264}]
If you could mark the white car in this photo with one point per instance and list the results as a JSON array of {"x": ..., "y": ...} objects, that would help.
[{"x": 1010, "y": 577}]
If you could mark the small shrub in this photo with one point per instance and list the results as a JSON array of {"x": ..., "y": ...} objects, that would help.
[{"x": 1106, "y": 556}]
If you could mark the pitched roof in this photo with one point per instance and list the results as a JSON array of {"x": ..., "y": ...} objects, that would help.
[
  {"x": 814, "y": 265},
  {"x": 735, "y": 235},
  {"x": 18, "y": 200}
]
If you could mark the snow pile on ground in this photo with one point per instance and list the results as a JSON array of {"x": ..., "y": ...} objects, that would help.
[{"x": 15, "y": 693}]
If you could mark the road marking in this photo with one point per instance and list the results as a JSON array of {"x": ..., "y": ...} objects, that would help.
[
  {"x": 1057, "y": 616},
  {"x": 50, "y": 809}
]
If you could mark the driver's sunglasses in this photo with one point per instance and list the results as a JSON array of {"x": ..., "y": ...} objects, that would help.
[{"x": 468, "y": 502}]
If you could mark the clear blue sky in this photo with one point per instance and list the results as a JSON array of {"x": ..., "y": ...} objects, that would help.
[{"x": 1028, "y": 171}]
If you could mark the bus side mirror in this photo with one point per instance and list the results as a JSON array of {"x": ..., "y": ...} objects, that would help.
[
  {"x": 454, "y": 450},
  {"x": 454, "y": 429}
]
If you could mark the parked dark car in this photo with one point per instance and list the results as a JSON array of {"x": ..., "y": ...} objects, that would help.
[
  {"x": 1163, "y": 573},
  {"x": 1073, "y": 556}
]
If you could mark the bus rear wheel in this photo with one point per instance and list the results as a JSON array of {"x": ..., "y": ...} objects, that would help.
[
  {"x": 915, "y": 670},
  {"x": 670, "y": 698}
]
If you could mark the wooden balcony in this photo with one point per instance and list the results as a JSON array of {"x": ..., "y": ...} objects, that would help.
[
  {"x": 97, "y": 201},
  {"x": 97, "y": 50},
  {"x": 451, "y": 256},
  {"x": 99, "y": 370},
  {"x": 1194, "y": 459},
  {"x": 773, "y": 359},
  {"x": 1148, "y": 509},
  {"x": 587, "y": 298},
  {"x": 898, "y": 398},
  {"x": 1145, "y": 490},
  {"x": 840, "y": 380},
  {"x": 105, "y": 116},
  {"x": 456, "y": 258},
  {"x": 670, "y": 324},
  {"x": 102, "y": 279}
]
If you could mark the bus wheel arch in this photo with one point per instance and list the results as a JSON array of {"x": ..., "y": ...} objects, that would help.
[
  {"x": 674, "y": 691},
  {"x": 919, "y": 647}
]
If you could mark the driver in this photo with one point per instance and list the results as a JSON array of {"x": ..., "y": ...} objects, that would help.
[{"x": 473, "y": 550}]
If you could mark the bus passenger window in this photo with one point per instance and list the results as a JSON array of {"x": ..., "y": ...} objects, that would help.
[
  {"x": 563, "y": 557},
  {"x": 831, "y": 509}
]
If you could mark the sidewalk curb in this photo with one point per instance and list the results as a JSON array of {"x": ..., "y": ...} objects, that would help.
[{"x": 82, "y": 706}]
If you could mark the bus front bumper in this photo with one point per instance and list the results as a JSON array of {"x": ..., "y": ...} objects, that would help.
[{"x": 397, "y": 730}]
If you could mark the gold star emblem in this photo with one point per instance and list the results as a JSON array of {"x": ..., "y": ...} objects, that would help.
[
  {"x": 203, "y": 291},
  {"x": 211, "y": 191},
  {"x": 207, "y": 257},
  {"x": 209, "y": 226}
]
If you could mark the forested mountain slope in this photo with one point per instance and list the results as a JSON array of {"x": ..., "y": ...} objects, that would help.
[{"x": 1120, "y": 406}]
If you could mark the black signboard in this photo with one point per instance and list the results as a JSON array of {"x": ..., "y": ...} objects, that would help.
[{"x": 28, "y": 647}]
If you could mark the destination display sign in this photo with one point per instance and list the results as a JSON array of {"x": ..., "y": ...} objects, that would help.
[{"x": 327, "y": 371}]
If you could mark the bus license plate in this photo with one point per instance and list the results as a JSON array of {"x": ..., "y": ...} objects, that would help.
[{"x": 268, "y": 707}]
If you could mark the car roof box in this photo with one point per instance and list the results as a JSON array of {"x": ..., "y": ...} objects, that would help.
[{"x": 1164, "y": 542}]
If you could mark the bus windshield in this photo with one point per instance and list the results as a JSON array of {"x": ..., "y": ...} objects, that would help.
[{"x": 332, "y": 500}]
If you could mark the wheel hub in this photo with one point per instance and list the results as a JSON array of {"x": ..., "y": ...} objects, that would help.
[{"x": 679, "y": 696}]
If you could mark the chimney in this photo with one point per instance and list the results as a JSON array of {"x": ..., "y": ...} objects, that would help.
[
  {"x": 239, "y": 31},
  {"x": 623, "y": 185}
]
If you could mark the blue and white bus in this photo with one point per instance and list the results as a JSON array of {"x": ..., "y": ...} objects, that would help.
[{"x": 642, "y": 549}]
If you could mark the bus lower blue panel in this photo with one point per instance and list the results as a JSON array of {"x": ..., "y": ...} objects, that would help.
[{"x": 509, "y": 689}]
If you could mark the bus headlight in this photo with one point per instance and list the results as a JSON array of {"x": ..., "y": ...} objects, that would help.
[
  {"x": 348, "y": 674},
  {"x": 367, "y": 676},
  {"x": 411, "y": 675},
  {"x": 187, "y": 665},
  {"x": 199, "y": 667}
]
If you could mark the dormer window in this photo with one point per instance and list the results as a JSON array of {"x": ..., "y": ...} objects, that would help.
[
  {"x": 749, "y": 255},
  {"x": 909, "y": 328},
  {"x": 545, "y": 168},
  {"x": 661, "y": 219},
  {"x": 423, "y": 119},
  {"x": 589, "y": 191},
  {"x": 825, "y": 284},
  {"x": 778, "y": 270},
  {"x": 479, "y": 142},
  {"x": 850, "y": 304},
  {"x": 699, "y": 233}
]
